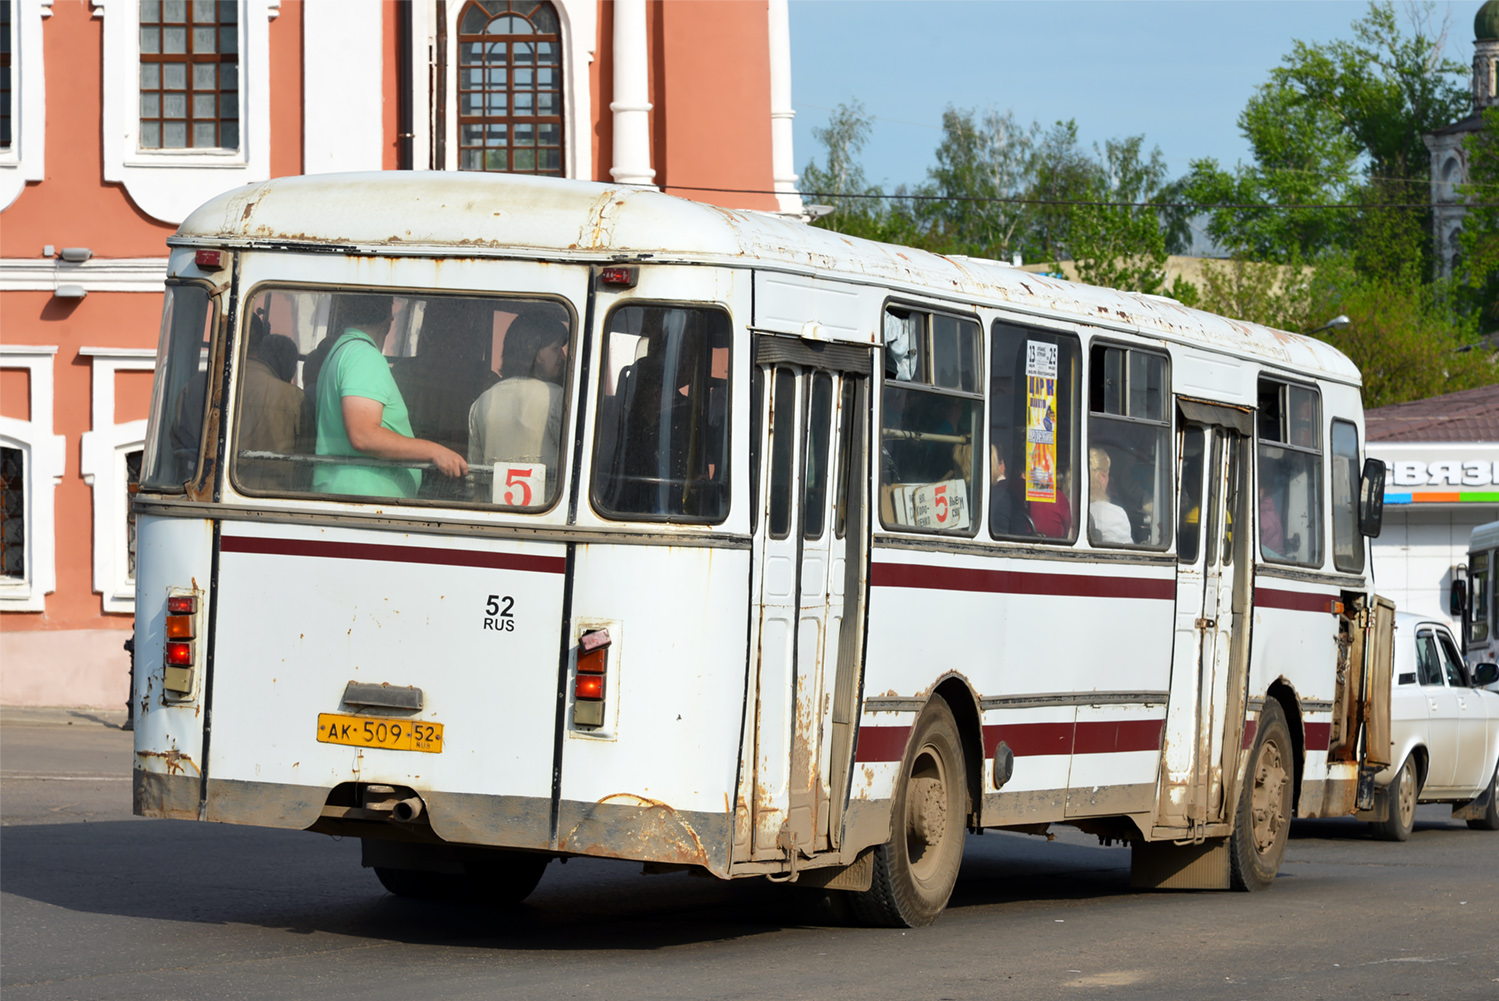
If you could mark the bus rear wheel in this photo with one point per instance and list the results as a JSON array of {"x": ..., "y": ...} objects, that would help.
[
  {"x": 914, "y": 872},
  {"x": 1263, "y": 820},
  {"x": 495, "y": 879}
]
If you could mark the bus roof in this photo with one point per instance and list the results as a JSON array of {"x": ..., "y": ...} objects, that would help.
[
  {"x": 512, "y": 215},
  {"x": 1484, "y": 537}
]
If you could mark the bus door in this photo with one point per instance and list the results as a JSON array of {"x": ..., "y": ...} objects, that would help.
[
  {"x": 810, "y": 550},
  {"x": 1205, "y": 710}
]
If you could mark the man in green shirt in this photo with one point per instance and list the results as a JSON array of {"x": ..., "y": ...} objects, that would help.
[{"x": 360, "y": 411}]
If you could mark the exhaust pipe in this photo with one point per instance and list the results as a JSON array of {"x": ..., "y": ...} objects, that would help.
[{"x": 407, "y": 809}]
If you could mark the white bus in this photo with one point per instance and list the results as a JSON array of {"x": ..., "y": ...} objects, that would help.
[
  {"x": 493, "y": 519},
  {"x": 1473, "y": 599}
]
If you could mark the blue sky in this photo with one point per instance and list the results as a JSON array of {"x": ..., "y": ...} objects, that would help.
[{"x": 1179, "y": 71}]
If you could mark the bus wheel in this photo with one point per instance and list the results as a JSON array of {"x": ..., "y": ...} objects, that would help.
[
  {"x": 1402, "y": 797},
  {"x": 1263, "y": 819},
  {"x": 493, "y": 878},
  {"x": 1490, "y": 820},
  {"x": 915, "y": 870}
]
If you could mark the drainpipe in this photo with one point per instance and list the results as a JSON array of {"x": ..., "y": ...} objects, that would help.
[
  {"x": 631, "y": 105},
  {"x": 782, "y": 163}
]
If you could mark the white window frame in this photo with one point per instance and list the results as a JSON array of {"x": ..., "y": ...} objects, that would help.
[
  {"x": 44, "y": 458},
  {"x": 578, "y": 21},
  {"x": 26, "y": 158},
  {"x": 103, "y": 467},
  {"x": 167, "y": 184}
]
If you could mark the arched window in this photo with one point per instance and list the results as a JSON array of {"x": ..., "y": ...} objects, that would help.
[{"x": 510, "y": 87}]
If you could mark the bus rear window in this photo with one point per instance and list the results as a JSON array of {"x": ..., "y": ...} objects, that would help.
[
  {"x": 179, "y": 395},
  {"x": 373, "y": 395},
  {"x": 663, "y": 444}
]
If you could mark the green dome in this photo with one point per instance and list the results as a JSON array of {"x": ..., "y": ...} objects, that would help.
[{"x": 1486, "y": 22}]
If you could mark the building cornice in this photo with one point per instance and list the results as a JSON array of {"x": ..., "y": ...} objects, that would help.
[{"x": 117, "y": 274}]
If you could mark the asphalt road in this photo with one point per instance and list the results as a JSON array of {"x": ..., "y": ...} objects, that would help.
[{"x": 97, "y": 904}]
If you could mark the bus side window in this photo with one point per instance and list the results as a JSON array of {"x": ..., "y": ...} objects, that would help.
[
  {"x": 663, "y": 452},
  {"x": 1034, "y": 381},
  {"x": 1290, "y": 473},
  {"x": 1478, "y": 597},
  {"x": 1130, "y": 469},
  {"x": 931, "y": 410},
  {"x": 1347, "y": 541}
]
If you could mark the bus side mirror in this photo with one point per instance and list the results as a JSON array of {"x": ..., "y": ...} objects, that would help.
[
  {"x": 1458, "y": 599},
  {"x": 1485, "y": 675},
  {"x": 1371, "y": 498}
]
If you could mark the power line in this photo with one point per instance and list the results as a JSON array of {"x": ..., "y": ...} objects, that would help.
[{"x": 1198, "y": 206}]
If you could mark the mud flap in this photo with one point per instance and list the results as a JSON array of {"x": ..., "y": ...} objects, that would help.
[
  {"x": 857, "y": 876},
  {"x": 1379, "y": 807},
  {"x": 1162, "y": 865},
  {"x": 1474, "y": 809}
]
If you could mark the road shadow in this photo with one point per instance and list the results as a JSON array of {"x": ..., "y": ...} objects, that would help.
[
  {"x": 306, "y": 883},
  {"x": 1429, "y": 817}
]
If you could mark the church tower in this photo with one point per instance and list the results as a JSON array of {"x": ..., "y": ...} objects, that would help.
[{"x": 1449, "y": 160}]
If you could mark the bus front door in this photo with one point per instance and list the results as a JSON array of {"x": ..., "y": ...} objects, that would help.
[
  {"x": 1205, "y": 710},
  {"x": 809, "y": 555}
]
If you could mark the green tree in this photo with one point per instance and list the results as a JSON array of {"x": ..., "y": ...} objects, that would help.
[
  {"x": 840, "y": 183},
  {"x": 1337, "y": 122},
  {"x": 1061, "y": 173},
  {"x": 1477, "y": 271},
  {"x": 982, "y": 174},
  {"x": 1122, "y": 244}
]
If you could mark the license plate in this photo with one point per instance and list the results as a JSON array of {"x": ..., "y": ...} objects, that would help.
[{"x": 369, "y": 731}]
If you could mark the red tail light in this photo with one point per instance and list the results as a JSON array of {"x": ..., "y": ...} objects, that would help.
[
  {"x": 589, "y": 682},
  {"x": 179, "y": 654},
  {"x": 182, "y": 604},
  {"x": 619, "y": 277}
]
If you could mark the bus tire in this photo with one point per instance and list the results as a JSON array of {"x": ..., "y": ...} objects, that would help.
[
  {"x": 495, "y": 879},
  {"x": 914, "y": 872},
  {"x": 1402, "y": 793},
  {"x": 1263, "y": 820},
  {"x": 1490, "y": 819}
]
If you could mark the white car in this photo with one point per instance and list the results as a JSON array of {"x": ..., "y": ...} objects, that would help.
[{"x": 1444, "y": 735}]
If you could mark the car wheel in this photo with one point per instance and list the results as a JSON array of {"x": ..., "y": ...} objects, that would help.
[
  {"x": 1490, "y": 820},
  {"x": 1401, "y": 793},
  {"x": 914, "y": 872},
  {"x": 1263, "y": 820}
]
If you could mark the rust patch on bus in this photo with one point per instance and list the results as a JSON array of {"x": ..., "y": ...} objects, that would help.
[
  {"x": 177, "y": 763},
  {"x": 626, "y": 825}
]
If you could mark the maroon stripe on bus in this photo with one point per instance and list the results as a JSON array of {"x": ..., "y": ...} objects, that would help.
[
  {"x": 1318, "y": 736},
  {"x": 391, "y": 554},
  {"x": 1015, "y": 582},
  {"x": 1250, "y": 728},
  {"x": 1293, "y": 601},
  {"x": 1115, "y": 736},
  {"x": 882, "y": 743},
  {"x": 1029, "y": 740}
]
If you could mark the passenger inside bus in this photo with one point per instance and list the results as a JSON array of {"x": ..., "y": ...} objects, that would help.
[
  {"x": 1053, "y": 518},
  {"x": 1107, "y": 522},
  {"x": 449, "y": 371},
  {"x": 1001, "y": 496},
  {"x": 360, "y": 411},
  {"x": 519, "y": 418},
  {"x": 274, "y": 413}
]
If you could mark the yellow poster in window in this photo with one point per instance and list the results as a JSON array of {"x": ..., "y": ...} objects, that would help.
[{"x": 1040, "y": 422}]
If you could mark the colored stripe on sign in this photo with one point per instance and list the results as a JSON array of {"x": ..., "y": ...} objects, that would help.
[
  {"x": 1015, "y": 582},
  {"x": 1027, "y": 740},
  {"x": 391, "y": 554},
  {"x": 1292, "y": 601}
]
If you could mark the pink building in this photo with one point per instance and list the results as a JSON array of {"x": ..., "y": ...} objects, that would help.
[{"x": 121, "y": 116}]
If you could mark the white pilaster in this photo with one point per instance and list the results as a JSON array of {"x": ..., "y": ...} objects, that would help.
[
  {"x": 782, "y": 162},
  {"x": 631, "y": 105}
]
